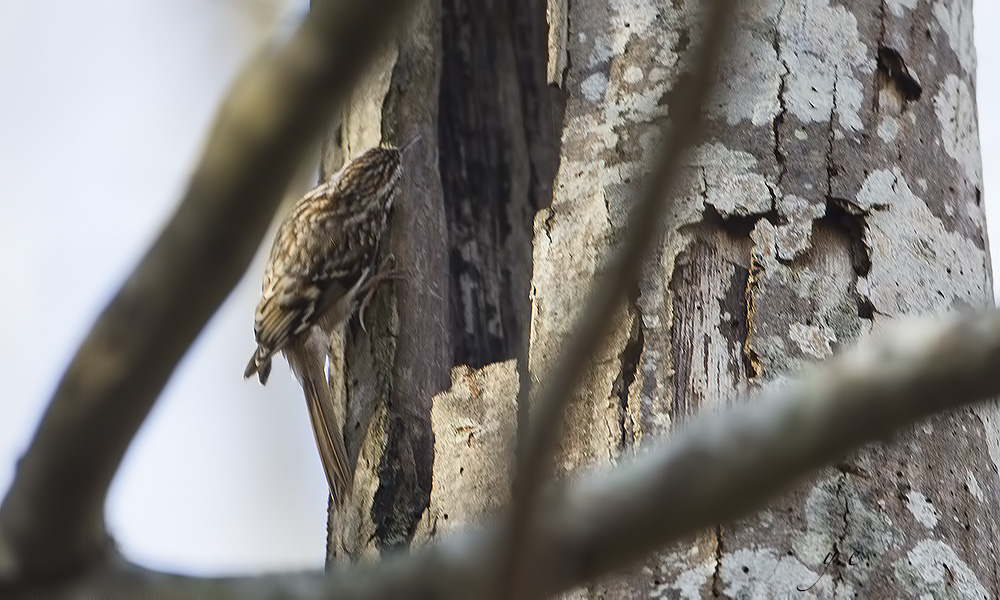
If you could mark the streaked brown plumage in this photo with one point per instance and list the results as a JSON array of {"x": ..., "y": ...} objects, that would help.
[{"x": 323, "y": 254}]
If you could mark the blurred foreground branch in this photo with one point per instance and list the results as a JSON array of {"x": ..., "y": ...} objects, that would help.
[
  {"x": 719, "y": 468},
  {"x": 51, "y": 522}
]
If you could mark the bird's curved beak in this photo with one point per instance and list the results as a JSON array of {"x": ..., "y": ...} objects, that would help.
[{"x": 409, "y": 144}]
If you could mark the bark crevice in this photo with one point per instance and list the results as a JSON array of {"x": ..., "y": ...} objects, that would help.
[
  {"x": 717, "y": 570},
  {"x": 630, "y": 359},
  {"x": 779, "y": 118}
]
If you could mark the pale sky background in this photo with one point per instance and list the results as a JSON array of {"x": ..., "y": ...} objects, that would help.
[{"x": 102, "y": 114}]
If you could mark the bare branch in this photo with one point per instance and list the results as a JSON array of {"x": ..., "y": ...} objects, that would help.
[
  {"x": 717, "y": 469},
  {"x": 609, "y": 292},
  {"x": 52, "y": 519}
]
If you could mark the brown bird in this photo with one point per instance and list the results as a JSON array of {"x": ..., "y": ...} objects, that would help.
[{"x": 322, "y": 259}]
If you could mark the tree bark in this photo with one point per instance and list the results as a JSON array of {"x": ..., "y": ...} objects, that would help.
[{"x": 838, "y": 187}]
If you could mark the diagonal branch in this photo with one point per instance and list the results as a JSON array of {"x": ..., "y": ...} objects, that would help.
[
  {"x": 52, "y": 518},
  {"x": 719, "y": 468},
  {"x": 610, "y": 290}
]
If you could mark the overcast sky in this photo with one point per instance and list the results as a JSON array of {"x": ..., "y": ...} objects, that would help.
[{"x": 104, "y": 107}]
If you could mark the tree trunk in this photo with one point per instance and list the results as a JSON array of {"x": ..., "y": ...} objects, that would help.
[
  {"x": 463, "y": 241},
  {"x": 838, "y": 187}
]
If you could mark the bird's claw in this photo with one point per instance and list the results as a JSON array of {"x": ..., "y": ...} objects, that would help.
[{"x": 371, "y": 286}]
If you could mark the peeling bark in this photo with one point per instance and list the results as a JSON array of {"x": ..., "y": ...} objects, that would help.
[{"x": 475, "y": 425}]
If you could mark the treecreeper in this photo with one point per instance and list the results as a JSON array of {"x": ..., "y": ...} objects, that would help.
[{"x": 322, "y": 267}]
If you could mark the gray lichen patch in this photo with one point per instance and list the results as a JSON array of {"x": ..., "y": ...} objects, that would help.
[
  {"x": 922, "y": 509},
  {"x": 794, "y": 236},
  {"x": 932, "y": 568},
  {"x": 820, "y": 44},
  {"x": 732, "y": 182},
  {"x": 686, "y": 573},
  {"x": 899, "y": 7},
  {"x": 955, "y": 19},
  {"x": 839, "y": 519},
  {"x": 594, "y": 87},
  {"x": 814, "y": 340},
  {"x": 888, "y": 128},
  {"x": 918, "y": 265},
  {"x": 750, "y": 81},
  {"x": 767, "y": 573},
  {"x": 956, "y": 112},
  {"x": 689, "y": 585}
]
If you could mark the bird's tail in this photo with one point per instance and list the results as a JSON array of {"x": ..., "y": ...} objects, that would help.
[
  {"x": 326, "y": 427},
  {"x": 260, "y": 363},
  {"x": 329, "y": 440}
]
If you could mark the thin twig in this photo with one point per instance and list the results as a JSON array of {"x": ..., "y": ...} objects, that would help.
[
  {"x": 592, "y": 326},
  {"x": 719, "y": 468},
  {"x": 51, "y": 521}
]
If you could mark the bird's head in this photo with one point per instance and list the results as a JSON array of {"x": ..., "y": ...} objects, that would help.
[{"x": 373, "y": 175}]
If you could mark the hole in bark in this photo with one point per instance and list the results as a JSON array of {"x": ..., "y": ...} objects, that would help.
[
  {"x": 840, "y": 215},
  {"x": 892, "y": 71},
  {"x": 738, "y": 226},
  {"x": 866, "y": 310},
  {"x": 683, "y": 41},
  {"x": 493, "y": 180}
]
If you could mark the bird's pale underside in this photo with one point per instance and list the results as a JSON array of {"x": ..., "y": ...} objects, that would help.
[{"x": 323, "y": 254}]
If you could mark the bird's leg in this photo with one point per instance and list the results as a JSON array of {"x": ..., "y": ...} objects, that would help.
[{"x": 369, "y": 287}]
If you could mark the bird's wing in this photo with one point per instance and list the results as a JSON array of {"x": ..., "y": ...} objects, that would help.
[
  {"x": 305, "y": 269},
  {"x": 295, "y": 305},
  {"x": 321, "y": 253}
]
